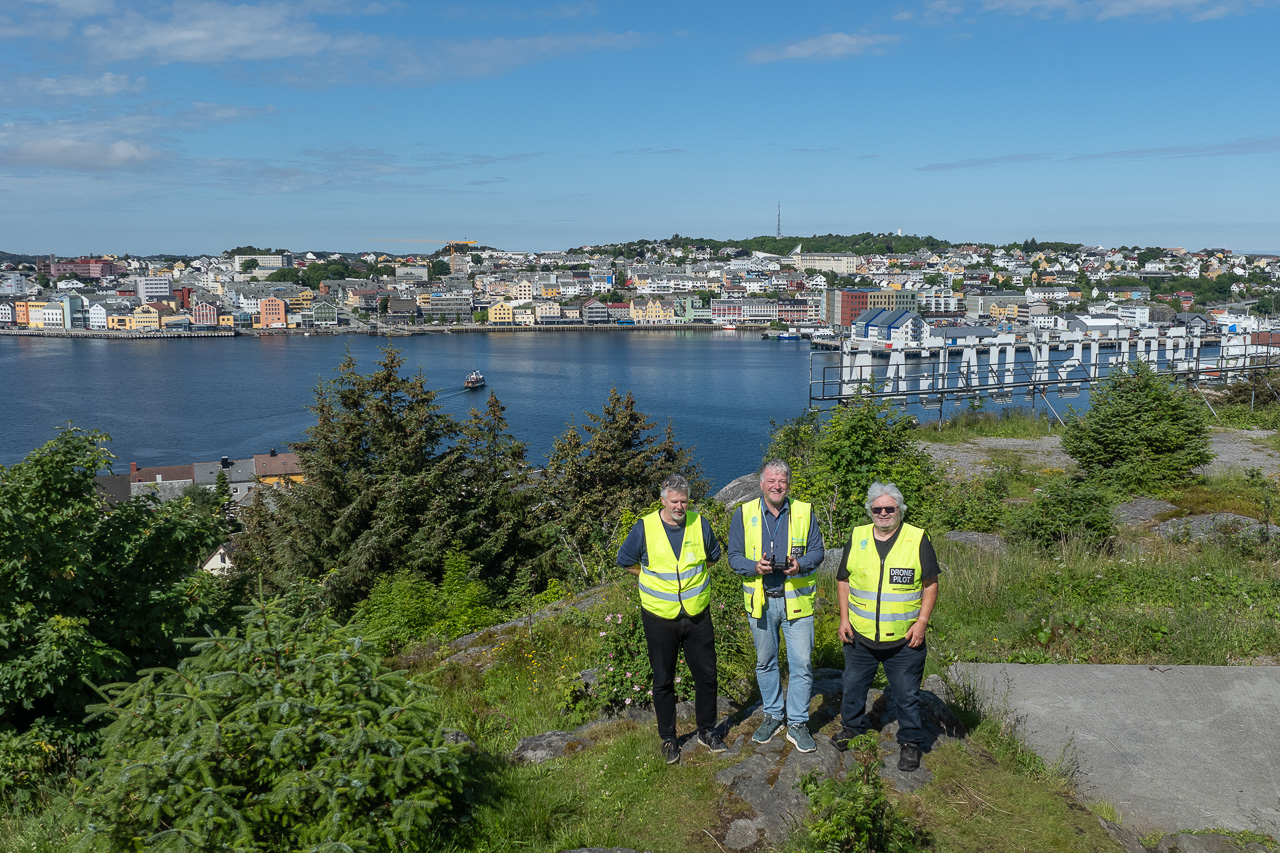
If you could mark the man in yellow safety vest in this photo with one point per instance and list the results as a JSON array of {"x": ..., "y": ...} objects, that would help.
[
  {"x": 776, "y": 545},
  {"x": 670, "y": 552},
  {"x": 886, "y": 586}
]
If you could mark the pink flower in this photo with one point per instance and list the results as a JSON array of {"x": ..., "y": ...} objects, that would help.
[
  {"x": 628, "y": 702},
  {"x": 628, "y": 675},
  {"x": 602, "y": 633},
  {"x": 611, "y": 669},
  {"x": 677, "y": 679}
]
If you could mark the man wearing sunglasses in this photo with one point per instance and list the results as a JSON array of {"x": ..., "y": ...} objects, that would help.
[{"x": 886, "y": 586}]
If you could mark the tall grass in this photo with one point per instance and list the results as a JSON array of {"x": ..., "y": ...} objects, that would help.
[
  {"x": 1001, "y": 423},
  {"x": 1162, "y": 603}
]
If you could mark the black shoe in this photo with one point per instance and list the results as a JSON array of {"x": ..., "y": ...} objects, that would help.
[
  {"x": 840, "y": 740},
  {"x": 671, "y": 751},
  {"x": 712, "y": 741},
  {"x": 908, "y": 757}
]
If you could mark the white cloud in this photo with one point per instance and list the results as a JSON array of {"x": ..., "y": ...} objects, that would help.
[
  {"x": 204, "y": 31},
  {"x": 1234, "y": 148},
  {"x": 496, "y": 56},
  {"x": 829, "y": 46},
  {"x": 982, "y": 162},
  {"x": 1101, "y": 10},
  {"x": 80, "y": 155},
  {"x": 75, "y": 8},
  {"x": 104, "y": 85}
]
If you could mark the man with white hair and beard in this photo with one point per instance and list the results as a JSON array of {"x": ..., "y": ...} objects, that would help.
[{"x": 886, "y": 586}]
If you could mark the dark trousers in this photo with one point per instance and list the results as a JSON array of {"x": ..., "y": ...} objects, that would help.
[
  {"x": 903, "y": 667},
  {"x": 665, "y": 637}
]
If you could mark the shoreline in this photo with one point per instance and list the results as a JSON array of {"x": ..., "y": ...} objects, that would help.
[{"x": 394, "y": 332}]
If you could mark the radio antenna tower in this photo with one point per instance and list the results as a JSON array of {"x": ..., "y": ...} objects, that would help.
[{"x": 779, "y": 220}]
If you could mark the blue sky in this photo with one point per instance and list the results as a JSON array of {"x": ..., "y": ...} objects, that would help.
[{"x": 198, "y": 125}]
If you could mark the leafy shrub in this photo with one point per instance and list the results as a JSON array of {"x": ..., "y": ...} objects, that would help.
[
  {"x": 287, "y": 734},
  {"x": 1141, "y": 433},
  {"x": 33, "y": 760},
  {"x": 854, "y": 815},
  {"x": 975, "y": 503},
  {"x": 1066, "y": 510},
  {"x": 833, "y": 461},
  {"x": 407, "y": 608},
  {"x": 89, "y": 591}
]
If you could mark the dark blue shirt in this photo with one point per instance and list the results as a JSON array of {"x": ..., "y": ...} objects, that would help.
[
  {"x": 775, "y": 539},
  {"x": 635, "y": 552}
]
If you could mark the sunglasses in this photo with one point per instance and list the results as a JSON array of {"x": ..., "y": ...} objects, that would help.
[{"x": 883, "y": 510}]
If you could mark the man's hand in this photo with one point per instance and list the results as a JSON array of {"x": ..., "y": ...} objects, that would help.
[
  {"x": 845, "y": 631},
  {"x": 793, "y": 567},
  {"x": 915, "y": 634},
  {"x": 763, "y": 566}
]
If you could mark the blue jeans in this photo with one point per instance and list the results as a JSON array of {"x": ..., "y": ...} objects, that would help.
[
  {"x": 903, "y": 667},
  {"x": 798, "y": 634}
]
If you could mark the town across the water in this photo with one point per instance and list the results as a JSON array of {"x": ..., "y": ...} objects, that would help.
[{"x": 889, "y": 300}]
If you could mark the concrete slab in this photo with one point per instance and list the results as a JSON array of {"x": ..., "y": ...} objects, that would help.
[{"x": 1173, "y": 747}]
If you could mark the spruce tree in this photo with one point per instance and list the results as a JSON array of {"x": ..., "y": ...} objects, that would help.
[
  {"x": 286, "y": 734},
  {"x": 378, "y": 494},
  {"x": 618, "y": 466}
]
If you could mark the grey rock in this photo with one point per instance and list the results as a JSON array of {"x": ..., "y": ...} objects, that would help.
[
  {"x": 1141, "y": 510},
  {"x": 1124, "y": 836},
  {"x": 901, "y": 781},
  {"x": 1186, "y": 842},
  {"x": 831, "y": 561},
  {"x": 583, "y": 601},
  {"x": 549, "y": 745},
  {"x": 742, "y": 833},
  {"x": 469, "y": 654},
  {"x": 1197, "y": 528},
  {"x": 775, "y": 808},
  {"x": 458, "y": 738},
  {"x": 739, "y": 491},
  {"x": 589, "y": 677},
  {"x": 989, "y": 542}
]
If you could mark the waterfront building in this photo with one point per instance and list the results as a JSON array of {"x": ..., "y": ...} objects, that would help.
[{"x": 501, "y": 314}]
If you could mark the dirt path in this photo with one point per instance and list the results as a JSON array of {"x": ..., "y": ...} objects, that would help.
[{"x": 1232, "y": 449}]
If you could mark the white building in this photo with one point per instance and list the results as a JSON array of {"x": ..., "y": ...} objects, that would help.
[{"x": 149, "y": 287}]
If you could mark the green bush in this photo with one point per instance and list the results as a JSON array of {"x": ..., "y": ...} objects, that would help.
[
  {"x": 287, "y": 734},
  {"x": 974, "y": 503},
  {"x": 1066, "y": 510},
  {"x": 1141, "y": 433},
  {"x": 854, "y": 815},
  {"x": 90, "y": 591},
  {"x": 407, "y": 608},
  {"x": 833, "y": 461}
]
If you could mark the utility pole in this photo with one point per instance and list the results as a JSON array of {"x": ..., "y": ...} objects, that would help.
[{"x": 779, "y": 219}]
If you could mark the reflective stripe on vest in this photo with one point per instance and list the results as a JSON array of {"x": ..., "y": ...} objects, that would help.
[
  {"x": 800, "y": 590},
  {"x": 880, "y": 609},
  {"x": 669, "y": 581}
]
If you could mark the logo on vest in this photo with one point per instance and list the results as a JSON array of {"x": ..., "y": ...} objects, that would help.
[
  {"x": 864, "y": 544},
  {"x": 902, "y": 577}
]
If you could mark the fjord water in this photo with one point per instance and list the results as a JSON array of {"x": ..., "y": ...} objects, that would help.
[{"x": 173, "y": 401}]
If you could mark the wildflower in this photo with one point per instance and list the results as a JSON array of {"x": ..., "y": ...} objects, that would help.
[
  {"x": 611, "y": 669},
  {"x": 628, "y": 702},
  {"x": 677, "y": 679},
  {"x": 628, "y": 675},
  {"x": 602, "y": 633}
]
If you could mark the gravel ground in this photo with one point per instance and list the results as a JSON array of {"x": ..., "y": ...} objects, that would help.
[{"x": 1232, "y": 449}]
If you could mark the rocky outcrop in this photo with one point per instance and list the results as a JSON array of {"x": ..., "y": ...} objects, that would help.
[
  {"x": 1198, "y": 528},
  {"x": 739, "y": 491},
  {"x": 989, "y": 542}
]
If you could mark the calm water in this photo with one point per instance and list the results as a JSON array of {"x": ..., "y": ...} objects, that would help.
[{"x": 179, "y": 401}]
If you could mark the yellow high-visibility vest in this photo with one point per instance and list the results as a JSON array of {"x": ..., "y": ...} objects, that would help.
[
  {"x": 800, "y": 590},
  {"x": 671, "y": 580},
  {"x": 885, "y": 595}
]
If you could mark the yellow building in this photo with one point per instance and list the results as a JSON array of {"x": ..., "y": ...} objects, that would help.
[
  {"x": 146, "y": 319},
  {"x": 501, "y": 314}
]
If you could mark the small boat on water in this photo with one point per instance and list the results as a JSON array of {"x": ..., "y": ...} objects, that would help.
[{"x": 475, "y": 379}]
